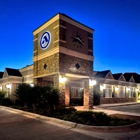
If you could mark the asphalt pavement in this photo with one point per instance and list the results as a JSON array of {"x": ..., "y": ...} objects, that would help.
[{"x": 18, "y": 125}]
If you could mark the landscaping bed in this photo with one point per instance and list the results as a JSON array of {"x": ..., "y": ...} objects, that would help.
[
  {"x": 82, "y": 117},
  {"x": 45, "y": 101}
]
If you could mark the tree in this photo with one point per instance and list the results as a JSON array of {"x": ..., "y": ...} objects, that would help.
[{"x": 23, "y": 93}]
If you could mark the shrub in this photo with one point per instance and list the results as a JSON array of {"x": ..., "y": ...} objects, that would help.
[
  {"x": 43, "y": 97},
  {"x": 96, "y": 98},
  {"x": 62, "y": 112},
  {"x": 2, "y": 94},
  {"x": 23, "y": 93},
  {"x": 100, "y": 118},
  {"x": 6, "y": 102},
  {"x": 91, "y": 118}
]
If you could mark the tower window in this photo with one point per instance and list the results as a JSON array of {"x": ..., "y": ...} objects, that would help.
[{"x": 77, "y": 66}]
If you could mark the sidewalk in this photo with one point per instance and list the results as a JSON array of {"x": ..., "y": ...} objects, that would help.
[
  {"x": 104, "y": 108},
  {"x": 116, "y": 104}
]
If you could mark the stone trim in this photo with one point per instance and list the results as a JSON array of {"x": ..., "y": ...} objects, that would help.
[
  {"x": 53, "y": 73},
  {"x": 75, "y": 54},
  {"x": 64, "y": 51}
]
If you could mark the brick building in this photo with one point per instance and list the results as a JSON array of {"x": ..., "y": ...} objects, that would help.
[{"x": 64, "y": 58}]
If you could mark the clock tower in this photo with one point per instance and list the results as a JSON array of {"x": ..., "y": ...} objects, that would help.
[{"x": 63, "y": 47}]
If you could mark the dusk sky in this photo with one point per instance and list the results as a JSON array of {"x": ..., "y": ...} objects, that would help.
[{"x": 116, "y": 24}]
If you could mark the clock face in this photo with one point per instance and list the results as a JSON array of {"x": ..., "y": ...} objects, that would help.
[{"x": 77, "y": 39}]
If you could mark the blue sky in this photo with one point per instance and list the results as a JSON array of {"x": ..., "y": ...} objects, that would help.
[{"x": 116, "y": 24}]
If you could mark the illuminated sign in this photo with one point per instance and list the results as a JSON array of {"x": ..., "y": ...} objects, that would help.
[{"x": 45, "y": 40}]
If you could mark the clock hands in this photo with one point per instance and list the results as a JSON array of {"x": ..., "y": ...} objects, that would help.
[{"x": 79, "y": 40}]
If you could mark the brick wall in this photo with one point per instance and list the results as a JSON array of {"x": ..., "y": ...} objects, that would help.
[
  {"x": 67, "y": 64},
  {"x": 116, "y": 100}
]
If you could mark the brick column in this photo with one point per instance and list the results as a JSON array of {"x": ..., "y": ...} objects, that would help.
[
  {"x": 67, "y": 94},
  {"x": 88, "y": 95},
  {"x": 61, "y": 87}
]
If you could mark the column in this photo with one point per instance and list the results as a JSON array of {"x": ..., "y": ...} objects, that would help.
[
  {"x": 67, "y": 94},
  {"x": 88, "y": 95},
  {"x": 61, "y": 85}
]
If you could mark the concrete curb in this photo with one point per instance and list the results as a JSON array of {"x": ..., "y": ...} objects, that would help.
[{"x": 73, "y": 125}]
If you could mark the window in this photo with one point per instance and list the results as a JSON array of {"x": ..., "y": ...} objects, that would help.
[
  {"x": 76, "y": 92},
  {"x": 130, "y": 94},
  {"x": 107, "y": 93},
  {"x": 121, "y": 92}
]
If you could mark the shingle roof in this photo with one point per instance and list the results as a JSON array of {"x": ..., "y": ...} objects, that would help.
[
  {"x": 13, "y": 72},
  {"x": 136, "y": 76},
  {"x": 1, "y": 74},
  {"x": 101, "y": 74},
  {"x": 117, "y": 76}
]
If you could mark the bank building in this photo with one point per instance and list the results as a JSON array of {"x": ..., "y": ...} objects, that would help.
[{"x": 64, "y": 57}]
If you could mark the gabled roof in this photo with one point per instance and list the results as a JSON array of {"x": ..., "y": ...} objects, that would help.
[
  {"x": 129, "y": 77},
  {"x": 136, "y": 76},
  {"x": 119, "y": 76},
  {"x": 1, "y": 74},
  {"x": 104, "y": 74},
  {"x": 13, "y": 72}
]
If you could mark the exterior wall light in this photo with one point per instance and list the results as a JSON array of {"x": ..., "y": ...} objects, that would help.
[
  {"x": 62, "y": 79},
  {"x": 92, "y": 82},
  {"x": 32, "y": 85},
  {"x": 102, "y": 86},
  {"x": 0, "y": 87},
  {"x": 136, "y": 89},
  {"x": 8, "y": 86},
  {"x": 116, "y": 88},
  {"x": 128, "y": 88}
]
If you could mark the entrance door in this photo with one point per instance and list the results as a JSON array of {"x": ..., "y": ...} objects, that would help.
[{"x": 76, "y": 96}]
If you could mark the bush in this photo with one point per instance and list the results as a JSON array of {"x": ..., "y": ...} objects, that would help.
[
  {"x": 23, "y": 93},
  {"x": 115, "y": 121},
  {"x": 96, "y": 98},
  {"x": 45, "y": 97},
  {"x": 101, "y": 119},
  {"x": 62, "y": 112},
  {"x": 91, "y": 118},
  {"x": 6, "y": 102},
  {"x": 2, "y": 94}
]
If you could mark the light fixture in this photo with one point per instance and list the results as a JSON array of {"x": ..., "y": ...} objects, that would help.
[
  {"x": 62, "y": 79},
  {"x": 92, "y": 82},
  {"x": 116, "y": 88},
  {"x": 8, "y": 86},
  {"x": 0, "y": 87},
  {"x": 32, "y": 85},
  {"x": 102, "y": 86},
  {"x": 128, "y": 88},
  {"x": 136, "y": 89}
]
